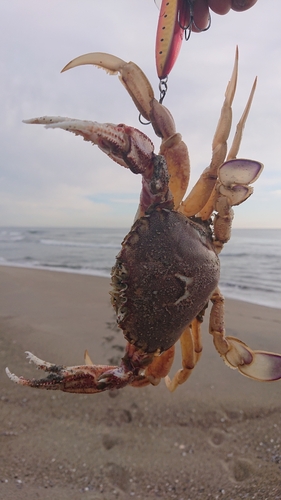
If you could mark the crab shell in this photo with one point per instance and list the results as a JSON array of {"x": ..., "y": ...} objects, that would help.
[{"x": 164, "y": 275}]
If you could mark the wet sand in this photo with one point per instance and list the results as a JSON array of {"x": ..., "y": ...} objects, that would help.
[{"x": 217, "y": 437}]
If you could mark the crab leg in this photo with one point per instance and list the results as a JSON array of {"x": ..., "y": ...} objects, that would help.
[
  {"x": 233, "y": 152},
  {"x": 233, "y": 184},
  {"x": 201, "y": 192},
  {"x": 258, "y": 365},
  {"x": 89, "y": 378},
  {"x": 158, "y": 369},
  {"x": 125, "y": 145},
  {"x": 83, "y": 379},
  {"x": 137, "y": 85},
  {"x": 191, "y": 348},
  {"x": 207, "y": 210}
]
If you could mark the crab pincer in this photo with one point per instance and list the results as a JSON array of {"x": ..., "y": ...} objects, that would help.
[{"x": 139, "y": 88}]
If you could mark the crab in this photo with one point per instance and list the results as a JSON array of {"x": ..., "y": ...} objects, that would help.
[{"x": 168, "y": 268}]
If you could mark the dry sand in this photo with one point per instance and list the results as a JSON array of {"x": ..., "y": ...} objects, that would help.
[{"x": 217, "y": 437}]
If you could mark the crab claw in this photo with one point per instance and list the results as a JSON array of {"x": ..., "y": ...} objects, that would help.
[
  {"x": 235, "y": 177},
  {"x": 127, "y": 146},
  {"x": 239, "y": 171},
  {"x": 137, "y": 368},
  {"x": 258, "y": 365},
  {"x": 79, "y": 379},
  {"x": 232, "y": 189},
  {"x": 138, "y": 86}
]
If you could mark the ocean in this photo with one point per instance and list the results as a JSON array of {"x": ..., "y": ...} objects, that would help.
[{"x": 250, "y": 261}]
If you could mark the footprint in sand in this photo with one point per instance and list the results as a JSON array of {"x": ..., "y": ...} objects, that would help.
[
  {"x": 242, "y": 469},
  {"x": 117, "y": 475},
  {"x": 109, "y": 441},
  {"x": 217, "y": 437},
  {"x": 239, "y": 469},
  {"x": 117, "y": 416}
]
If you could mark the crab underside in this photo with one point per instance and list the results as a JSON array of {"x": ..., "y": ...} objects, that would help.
[{"x": 168, "y": 268}]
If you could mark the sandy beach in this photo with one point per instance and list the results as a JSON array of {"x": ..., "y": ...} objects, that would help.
[{"x": 217, "y": 437}]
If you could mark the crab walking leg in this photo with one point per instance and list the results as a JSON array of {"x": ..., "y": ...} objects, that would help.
[
  {"x": 201, "y": 192},
  {"x": 158, "y": 369},
  {"x": 188, "y": 361},
  {"x": 258, "y": 365},
  {"x": 207, "y": 210},
  {"x": 191, "y": 348},
  {"x": 138, "y": 86},
  {"x": 128, "y": 147},
  {"x": 234, "y": 149}
]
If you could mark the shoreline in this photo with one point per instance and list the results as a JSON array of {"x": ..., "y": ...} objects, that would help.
[
  {"x": 83, "y": 272},
  {"x": 107, "y": 276},
  {"x": 217, "y": 435}
]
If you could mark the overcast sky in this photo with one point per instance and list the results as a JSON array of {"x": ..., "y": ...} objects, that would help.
[{"x": 52, "y": 178}]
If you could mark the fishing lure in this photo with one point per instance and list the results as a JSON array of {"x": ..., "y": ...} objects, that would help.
[{"x": 177, "y": 19}]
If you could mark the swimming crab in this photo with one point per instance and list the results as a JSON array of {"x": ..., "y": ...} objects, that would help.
[{"x": 168, "y": 267}]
